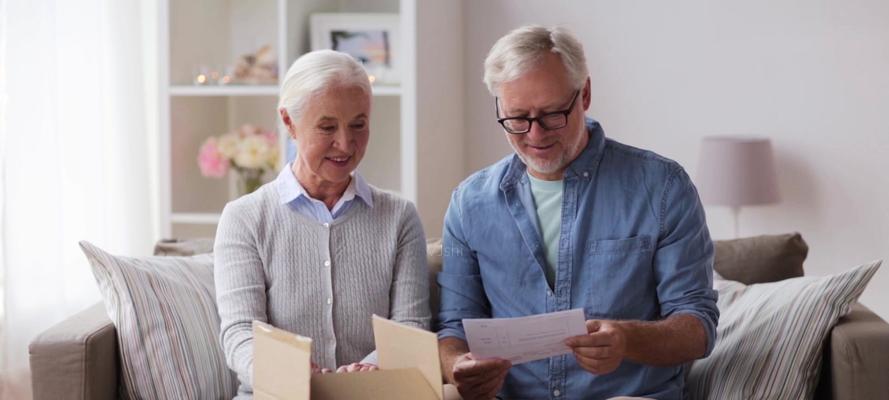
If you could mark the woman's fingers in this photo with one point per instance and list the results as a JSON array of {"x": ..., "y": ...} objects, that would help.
[{"x": 356, "y": 367}]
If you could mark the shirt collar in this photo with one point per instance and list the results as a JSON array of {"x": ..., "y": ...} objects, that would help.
[
  {"x": 584, "y": 165},
  {"x": 289, "y": 188}
]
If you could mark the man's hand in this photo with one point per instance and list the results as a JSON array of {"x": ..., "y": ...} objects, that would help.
[
  {"x": 356, "y": 367},
  {"x": 602, "y": 349},
  {"x": 479, "y": 379}
]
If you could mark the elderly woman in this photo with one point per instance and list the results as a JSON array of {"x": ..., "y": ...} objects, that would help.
[{"x": 318, "y": 250}]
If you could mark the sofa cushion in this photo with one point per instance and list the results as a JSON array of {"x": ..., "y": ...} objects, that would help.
[
  {"x": 183, "y": 247},
  {"x": 433, "y": 259},
  {"x": 770, "y": 336},
  {"x": 760, "y": 259},
  {"x": 164, "y": 311}
]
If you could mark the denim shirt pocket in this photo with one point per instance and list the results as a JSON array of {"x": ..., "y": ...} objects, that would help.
[
  {"x": 619, "y": 278},
  {"x": 620, "y": 247}
]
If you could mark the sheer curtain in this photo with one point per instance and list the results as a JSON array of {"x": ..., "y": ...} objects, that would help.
[{"x": 77, "y": 148}]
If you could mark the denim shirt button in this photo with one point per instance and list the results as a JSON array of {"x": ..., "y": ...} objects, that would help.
[
  {"x": 586, "y": 174},
  {"x": 557, "y": 393}
]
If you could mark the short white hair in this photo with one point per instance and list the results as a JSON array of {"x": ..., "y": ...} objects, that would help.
[
  {"x": 521, "y": 49},
  {"x": 316, "y": 71}
]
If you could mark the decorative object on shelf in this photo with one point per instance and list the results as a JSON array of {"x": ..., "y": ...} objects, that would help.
[
  {"x": 202, "y": 76},
  {"x": 250, "y": 151},
  {"x": 737, "y": 171},
  {"x": 206, "y": 76},
  {"x": 373, "y": 39},
  {"x": 259, "y": 68}
]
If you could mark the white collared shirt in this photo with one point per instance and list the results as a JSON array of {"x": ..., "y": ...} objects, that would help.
[{"x": 293, "y": 194}]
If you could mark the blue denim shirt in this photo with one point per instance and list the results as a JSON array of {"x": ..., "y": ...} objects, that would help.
[{"x": 633, "y": 245}]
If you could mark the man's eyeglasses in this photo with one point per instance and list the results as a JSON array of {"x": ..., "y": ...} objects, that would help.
[{"x": 549, "y": 121}]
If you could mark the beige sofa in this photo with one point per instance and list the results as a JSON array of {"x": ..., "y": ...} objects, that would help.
[{"x": 78, "y": 358}]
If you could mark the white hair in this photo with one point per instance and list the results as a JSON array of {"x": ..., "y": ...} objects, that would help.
[
  {"x": 522, "y": 48},
  {"x": 316, "y": 71}
]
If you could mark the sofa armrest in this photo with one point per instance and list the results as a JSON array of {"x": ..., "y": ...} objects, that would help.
[
  {"x": 77, "y": 358},
  {"x": 857, "y": 357}
]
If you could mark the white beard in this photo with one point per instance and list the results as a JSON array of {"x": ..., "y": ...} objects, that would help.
[{"x": 547, "y": 167}]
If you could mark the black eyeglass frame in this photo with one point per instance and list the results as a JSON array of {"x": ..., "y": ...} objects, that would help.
[{"x": 538, "y": 119}]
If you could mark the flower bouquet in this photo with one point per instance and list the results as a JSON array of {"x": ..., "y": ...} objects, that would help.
[{"x": 250, "y": 151}]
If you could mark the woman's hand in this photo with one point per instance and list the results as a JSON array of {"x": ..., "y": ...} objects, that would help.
[
  {"x": 318, "y": 370},
  {"x": 356, "y": 367}
]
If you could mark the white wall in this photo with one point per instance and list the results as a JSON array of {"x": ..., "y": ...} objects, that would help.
[
  {"x": 812, "y": 75},
  {"x": 440, "y": 112}
]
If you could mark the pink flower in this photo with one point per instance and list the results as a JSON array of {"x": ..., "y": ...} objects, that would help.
[
  {"x": 211, "y": 162},
  {"x": 272, "y": 138}
]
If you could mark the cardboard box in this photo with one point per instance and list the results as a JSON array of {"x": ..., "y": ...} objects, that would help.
[{"x": 408, "y": 361}]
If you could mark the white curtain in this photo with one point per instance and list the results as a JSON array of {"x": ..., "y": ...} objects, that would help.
[{"x": 78, "y": 154}]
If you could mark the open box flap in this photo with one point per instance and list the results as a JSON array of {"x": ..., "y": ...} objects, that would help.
[
  {"x": 401, "y": 346},
  {"x": 286, "y": 369}
]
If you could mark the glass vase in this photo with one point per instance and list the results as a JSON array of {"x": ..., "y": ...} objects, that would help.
[{"x": 249, "y": 179}]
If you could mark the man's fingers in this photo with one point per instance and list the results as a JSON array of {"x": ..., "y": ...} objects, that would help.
[
  {"x": 486, "y": 389},
  {"x": 598, "y": 338},
  {"x": 590, "y": 340},
  {"x": 578, "y": 341},
  {"x": 595, "y": 352},
  {"x": 596, "y": 366},
  {"x": 473, "y": 372},
  {"x": 593, "y": 325},
  {"x": 474, "y": 378},
  {"x": 475, "y": 366},
  {"x": 492, "y": 387}
]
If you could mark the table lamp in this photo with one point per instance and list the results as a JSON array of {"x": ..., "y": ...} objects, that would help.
[{"x": 737, "y": 171}]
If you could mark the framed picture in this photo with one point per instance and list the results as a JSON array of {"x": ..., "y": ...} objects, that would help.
[{"x": 373, "y": 39}]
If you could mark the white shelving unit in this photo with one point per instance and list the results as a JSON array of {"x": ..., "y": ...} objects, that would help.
[
  {"x": 232, "y": 90},
  {"x": 214, "y": 33}
]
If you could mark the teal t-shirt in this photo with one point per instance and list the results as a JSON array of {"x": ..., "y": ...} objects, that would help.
[{"x": 548, "y": 203}]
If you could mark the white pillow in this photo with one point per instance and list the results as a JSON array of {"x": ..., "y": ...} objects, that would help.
[
  {"x": 770, "y": 336},
  {"x": 164, "y": 310}
]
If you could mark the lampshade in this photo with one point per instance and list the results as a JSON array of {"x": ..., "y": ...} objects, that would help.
[{"x": 737, "y": 171}]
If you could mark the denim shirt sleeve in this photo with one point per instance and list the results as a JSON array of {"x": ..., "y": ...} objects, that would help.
[
  {"x": 462, "y": 293},
  {"x": 683, "y": 262}
]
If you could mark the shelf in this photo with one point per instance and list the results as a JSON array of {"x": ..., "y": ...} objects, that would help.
[
  {"x": 213, "y": 35},
  {"x": 195, "y": 218},
  {"x": 268, "y": 90},
  {"x": 386, "y": 90},
  {"x": 230, "y": 90}
]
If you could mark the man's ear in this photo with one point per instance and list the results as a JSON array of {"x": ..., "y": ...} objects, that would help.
[{"x": 587, "y": 95}]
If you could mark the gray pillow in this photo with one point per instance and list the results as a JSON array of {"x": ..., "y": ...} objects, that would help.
[
  {"x": 770, "y": 336},
  {"x": 183, "y": 247},
  {"x": 164, "y": 309},
  {"x": 760, "y": 259}
]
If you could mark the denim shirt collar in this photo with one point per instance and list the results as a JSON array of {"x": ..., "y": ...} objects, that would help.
[{"x": 585, "y": 163}]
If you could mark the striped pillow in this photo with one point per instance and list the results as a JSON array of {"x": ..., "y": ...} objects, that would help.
[
  {"x": 164, "y": 310},
  {"x": 770, "y": 336}
]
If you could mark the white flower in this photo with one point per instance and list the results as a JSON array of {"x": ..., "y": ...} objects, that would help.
[
  {"x": 253, "y": 152},
  {"x": 228, "y": 145}
]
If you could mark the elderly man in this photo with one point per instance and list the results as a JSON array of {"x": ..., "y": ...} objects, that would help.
[{"x": 574, "y": 220}]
